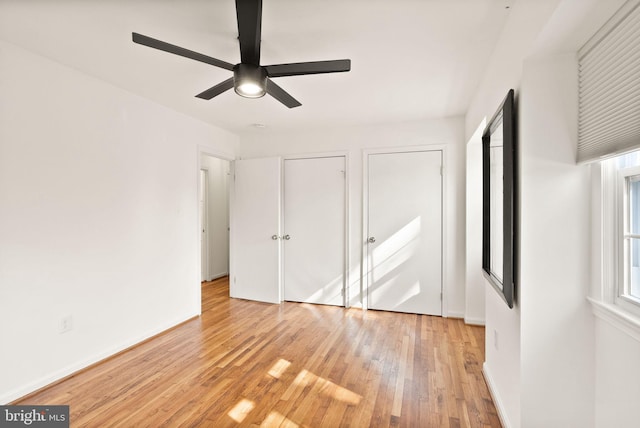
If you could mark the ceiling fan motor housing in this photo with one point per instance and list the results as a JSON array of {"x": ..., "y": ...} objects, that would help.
[{"x": 249, "y": 80}]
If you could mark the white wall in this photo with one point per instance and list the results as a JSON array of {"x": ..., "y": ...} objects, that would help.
[
  {"x": 525, "y": 23},
  {"x": 218, "y": 214},
  {"x": 546, "y": 369},
  {"x": 504, "y": 72},
  {"x": 557, "y": 342},
  {"x": 617, "y": 345},
  {"x": 448, "y": 132},
  {"x": 474, "y": 280},
  {"x": 617, "y": 376},
  {"x": 98, "y": 219}
]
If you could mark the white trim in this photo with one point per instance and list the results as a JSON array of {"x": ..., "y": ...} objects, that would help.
[
  {"x": 497, "y": 401},
  {"x": 232, "y": 224},
  {"x": 616, "y": 317},
  {"x": 606, "y": 302},
  {"x": 475, "y": 321},
  {"x": 443, "y": 234},
  {"x": 454, "y": 314},
  {"x": 365, "y": 218},
  {"x": 315, "y": 155},
  {"x": 608, "y": 229},
  {"x": 208, "y": 151},
  {"x": 203, "y": 189},
  {"x": 218, "y": 275},
  {"x": 364, "y": 254},
  {"x": 622, "y": 289},
  {"x": 406, "y": 149},
  {"x": 98, "y": 357},
  {"x": 609, "y": 215},
  {"x": 347, "y": 233}
]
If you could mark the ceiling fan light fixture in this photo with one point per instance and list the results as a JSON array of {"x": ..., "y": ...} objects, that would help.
[{"x": 249, "y": 81}]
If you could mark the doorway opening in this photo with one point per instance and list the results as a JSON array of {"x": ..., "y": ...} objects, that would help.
[{"x": 214, "y": 186}]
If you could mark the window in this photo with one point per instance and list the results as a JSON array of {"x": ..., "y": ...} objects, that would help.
[
  {"x": 631, "y": 236},
  {"x": 628, "y": 233},
  {"x": 621, "y": 231},
  {"x": 609, "y": 124}
]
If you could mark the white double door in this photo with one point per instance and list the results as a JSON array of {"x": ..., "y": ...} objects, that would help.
[
  {"x": 404, "y": 242},
  {"x": 288, "y": 232}
]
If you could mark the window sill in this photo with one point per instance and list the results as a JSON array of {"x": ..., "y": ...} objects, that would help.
[{"x": 617, "y": 317}]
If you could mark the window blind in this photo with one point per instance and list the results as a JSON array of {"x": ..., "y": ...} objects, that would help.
[{"x": 609, "y": 87}]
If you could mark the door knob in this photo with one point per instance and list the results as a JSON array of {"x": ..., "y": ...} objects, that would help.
[
  {"x": 274, "y": 237},
  {"x": 286, "y": 237},
  {"x": 371, "y": 240}
]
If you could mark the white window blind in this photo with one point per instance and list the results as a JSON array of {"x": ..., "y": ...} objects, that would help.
[{"x": 609, "y": 87}]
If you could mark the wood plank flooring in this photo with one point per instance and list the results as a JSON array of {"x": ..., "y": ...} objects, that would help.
[{"x": 292, "y": 365}]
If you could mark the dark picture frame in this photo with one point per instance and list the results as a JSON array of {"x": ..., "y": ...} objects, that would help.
[{"x": 499, "y": 204}]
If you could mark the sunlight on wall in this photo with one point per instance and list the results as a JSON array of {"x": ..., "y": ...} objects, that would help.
[
  {"x": 330, "y": 290},
  {"x": 241, "y": 410},
  {"x": 414, "y": 290},
  {"x": 388, "y": 257},
  {"x": 395, "y": 250}
]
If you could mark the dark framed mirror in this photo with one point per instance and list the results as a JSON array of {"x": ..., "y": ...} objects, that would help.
[{"x": 499, "y": 174}]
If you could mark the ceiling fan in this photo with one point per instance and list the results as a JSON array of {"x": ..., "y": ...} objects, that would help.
[{"x": 250, "y": 79}]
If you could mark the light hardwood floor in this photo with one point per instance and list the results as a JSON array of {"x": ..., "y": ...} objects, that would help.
[{"x": 254, "y": 364}]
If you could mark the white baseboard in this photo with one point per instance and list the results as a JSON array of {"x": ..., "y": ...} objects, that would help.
[
  {"x": 17, "y": 393},
  {"x": 455, "y": 314},
  {"x": 217, "y": 275},
  {"x": 474, "y": 321},
  {"x": 495, "y": 397}
]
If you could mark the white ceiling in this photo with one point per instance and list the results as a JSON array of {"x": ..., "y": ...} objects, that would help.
[{"x": 411, "y": 59}]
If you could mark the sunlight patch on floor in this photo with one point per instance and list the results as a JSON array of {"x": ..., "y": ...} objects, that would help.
[
  {"x": 327, "y": 387},
  {"x": 241, "y": 410},
  {"x": 278, "y": 368},
  {"x": 275, "y": 419}
]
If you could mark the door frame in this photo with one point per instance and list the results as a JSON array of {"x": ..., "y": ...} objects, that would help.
[
  {"x": 347, "y": 258},
  {"x": 203, "y": 218},
  {"x": 365, "y": 215},
  {"x": 208, "y": 151}
]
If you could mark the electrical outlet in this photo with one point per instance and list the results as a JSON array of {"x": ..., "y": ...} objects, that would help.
[
  {"x": 495, "y": 338},
  {"x": 66, "y": 324}
]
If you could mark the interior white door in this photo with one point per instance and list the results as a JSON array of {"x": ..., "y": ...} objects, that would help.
[
  {"x": 404, "y": 250},
  {"x": 255, "y": 230},
  {"x": 314, "y": 230}
]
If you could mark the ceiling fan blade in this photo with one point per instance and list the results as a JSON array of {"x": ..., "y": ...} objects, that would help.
[
  {"x": 281, "y": 95},
  {"x": 177, "y": 50},
  {"x": 216, "y": 90},
  {"x": 315, "y": 67},
  {"x": 249, "y": 13}
]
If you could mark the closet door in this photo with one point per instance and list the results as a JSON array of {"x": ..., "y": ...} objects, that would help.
[
  {"x": 314, "y": 230},
  {"x": 255, "y": 230},
  {"x": 404, "y": 250}
]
